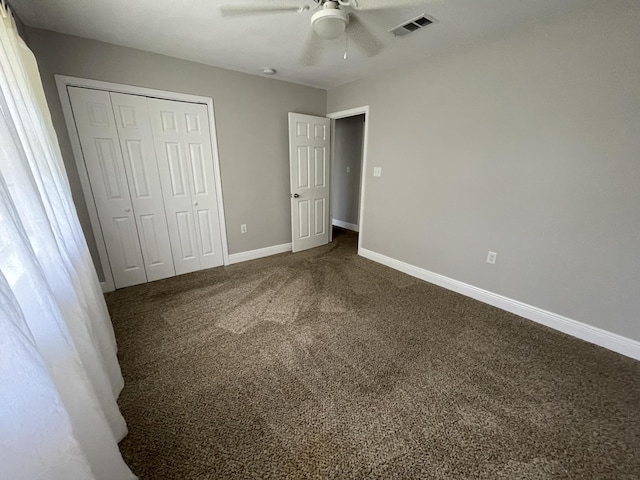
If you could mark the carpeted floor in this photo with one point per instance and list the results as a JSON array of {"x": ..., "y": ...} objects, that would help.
[{"x": 323, "y": 364}]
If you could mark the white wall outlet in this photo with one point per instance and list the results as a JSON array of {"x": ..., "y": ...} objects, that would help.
[
  {"x": 377, "y": 171},
  {"x": 348, "y": 169},
  {"x": 243, "y": 228},
  {"x": 491, "y": 257}
]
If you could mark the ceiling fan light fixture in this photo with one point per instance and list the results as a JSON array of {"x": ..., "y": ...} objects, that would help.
[{"x": 329, "y": 23}]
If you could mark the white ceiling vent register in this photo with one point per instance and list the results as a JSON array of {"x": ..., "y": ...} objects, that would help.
[{"x": 412, "y": 25}]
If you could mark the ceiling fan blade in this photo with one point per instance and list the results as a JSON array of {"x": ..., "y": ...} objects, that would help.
[
  {"x": 362, "y": 36},
  {"x": 313, "y": 46},
  {"x": 383, "y": 4},
  {"x": 228, "y": 10}
]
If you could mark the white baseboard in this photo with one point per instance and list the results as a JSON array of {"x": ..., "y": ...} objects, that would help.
[
  {"x": 259, "y": 253},
  {"x": 348, "y": 226},
  {"x": 612, "y": 341},
  {"x": 105, "y": 287}
]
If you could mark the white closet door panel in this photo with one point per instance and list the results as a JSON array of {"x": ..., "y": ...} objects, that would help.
[
  {"x": 174, "y": 177},
  {"x": 204, "y": 193},
  {"x": 98, "y": 136},
  {"x": 138, "y": 150},
  {"x": 185, "y": 159}
]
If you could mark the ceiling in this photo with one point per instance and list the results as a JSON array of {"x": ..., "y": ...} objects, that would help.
[{"x": 195, "y": 30}]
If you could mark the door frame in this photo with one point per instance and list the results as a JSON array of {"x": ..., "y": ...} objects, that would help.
[
  {"x": 352, "y": 112},
  {"x": 64, "y": 81}
]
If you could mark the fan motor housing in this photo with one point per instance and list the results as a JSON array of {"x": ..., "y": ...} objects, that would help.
[{"x": 330, "y": 22}]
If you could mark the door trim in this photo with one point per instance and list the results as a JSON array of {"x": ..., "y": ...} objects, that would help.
[
  {"x": 64, "y": 81},
  {"x": 364, "y": 110}
]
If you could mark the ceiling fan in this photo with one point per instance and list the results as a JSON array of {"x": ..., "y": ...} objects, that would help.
[{"x": 329, "y": 20}]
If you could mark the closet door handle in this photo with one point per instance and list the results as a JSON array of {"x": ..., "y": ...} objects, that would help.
[
  {"x": 195, "y": 204},
  {"x": 127, "y": 210}
]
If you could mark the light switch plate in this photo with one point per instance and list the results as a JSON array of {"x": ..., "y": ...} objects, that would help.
[{"x": 377, "y": 171}]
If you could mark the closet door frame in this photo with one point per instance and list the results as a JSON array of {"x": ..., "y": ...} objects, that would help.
[{"x": 64, "y": 81}]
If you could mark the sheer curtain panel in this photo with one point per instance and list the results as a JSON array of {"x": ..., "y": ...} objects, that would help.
[{"x": 59, "y": 374}]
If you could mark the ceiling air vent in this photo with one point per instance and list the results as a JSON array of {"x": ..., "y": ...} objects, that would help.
[{"x": 412, "y": 25}]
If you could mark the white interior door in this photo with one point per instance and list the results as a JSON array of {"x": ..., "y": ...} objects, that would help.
[
  {"x": 185, "y": 161},
  {"x": 309, "y": 150},
  {"x": 139, "y": 154},
  {"x": 98, "y": 136}
]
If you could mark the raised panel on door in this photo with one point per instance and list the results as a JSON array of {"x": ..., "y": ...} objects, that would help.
[
  {"x": 182, "y": 131},
  {"x": 139, "y": 155},
  {"x": 97, "y": 132},
  {"x": 309, "y": 170},
  {"x": 186, "y": 240}
]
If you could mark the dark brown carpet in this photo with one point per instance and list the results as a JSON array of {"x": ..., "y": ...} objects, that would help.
[{"x": 325, "y": 365}]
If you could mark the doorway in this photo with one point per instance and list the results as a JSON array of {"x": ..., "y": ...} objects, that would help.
[
  {"x": 348, "y": 169},
  {"x": 346, "y": 174},
  {"x": 312, "y": 153}
]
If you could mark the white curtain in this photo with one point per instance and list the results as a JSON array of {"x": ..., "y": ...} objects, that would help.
[{"x": 59, "y": 374}]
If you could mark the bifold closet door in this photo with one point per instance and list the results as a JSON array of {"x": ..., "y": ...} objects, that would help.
[
  {"x": 98, "y": 135},
  {"x": 139, "y": 155},
  {"x": 185, "y": 161}
]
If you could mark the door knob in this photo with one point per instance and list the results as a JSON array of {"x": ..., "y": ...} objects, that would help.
[
  {"x": 295, "y": 195},
  {"x": 127, "y": 210},
  {"x": 195, "y": 204}
]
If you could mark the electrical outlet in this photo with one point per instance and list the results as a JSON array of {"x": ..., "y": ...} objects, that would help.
[
  {"x": 491, "y": 257},
  {"x": 377, "y": 171},
  {"x": 348, "y": 169},
  {"x": 243, "y": 228}
]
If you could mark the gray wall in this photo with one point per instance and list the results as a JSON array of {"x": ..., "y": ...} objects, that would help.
[
  {"x": 526, "y": 144},
  {"x": 345, "y": 186},
  {"x": 251, "y": 120}
]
